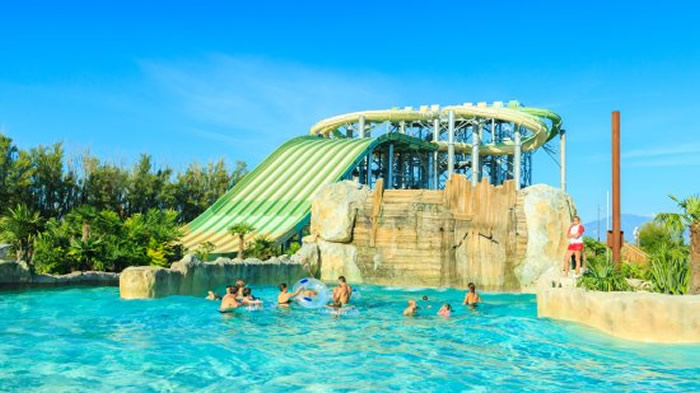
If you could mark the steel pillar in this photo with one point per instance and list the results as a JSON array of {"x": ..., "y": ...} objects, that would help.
[
  {"x": 369, "y": 169},
  {"x": 516, "y": 157},
  {"x": 450, "y": 143},
  {"x": 476, "y": 141},
  {"x": 562, "y": 159},
  {"x": 436, "y": 134},
  {"x": 402, "y": 127},
  {"x": 390, "y": 175},
  {"x": 361, "y": 126}
]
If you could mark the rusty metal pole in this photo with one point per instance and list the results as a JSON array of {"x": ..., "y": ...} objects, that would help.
[{"x": 616, "y": 233}]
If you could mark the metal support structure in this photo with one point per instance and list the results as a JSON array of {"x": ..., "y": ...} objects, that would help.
[
  {"x": 616, "y": 232},
  {"x": 402, "y": 127},
  {"x": 450, "y": 143},
  {"x": 562, "y": 159},
  {"x": 361, "y": 127},
  {"x": 369, "y": 169},
  {"x": 476, "y": 141},
  {"x": 516, "y": 157},
  {"x": 390, "y": 167},
  {"x": 436, "y": 134}
]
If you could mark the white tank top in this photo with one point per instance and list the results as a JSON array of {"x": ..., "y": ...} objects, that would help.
[{"x": 574, "y": 231}]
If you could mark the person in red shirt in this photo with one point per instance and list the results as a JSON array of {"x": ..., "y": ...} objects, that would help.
[{"x": 575, "y": 236}]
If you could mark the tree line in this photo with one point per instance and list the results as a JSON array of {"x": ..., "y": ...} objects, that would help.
[{"x": 64, "y": 214}]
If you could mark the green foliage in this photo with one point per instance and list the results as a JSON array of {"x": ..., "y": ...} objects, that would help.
[
  {"x": 263, "y": 248},
  {"x": 653, "y": 235},
  {"x": 593, "y": 248},
  {"x": 602, "y": 276},
  {"x": 293, "y": 248},
  {"x": 669, "y": 270},
  {"x": 633, "y": 270},
  {"x": 19, "y": 227},
  {"x": 203, "y": 251},
  {"x": 240, "y": 230}
]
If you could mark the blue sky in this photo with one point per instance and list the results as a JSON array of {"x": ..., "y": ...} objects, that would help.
[{"x": 199, "y": 82}]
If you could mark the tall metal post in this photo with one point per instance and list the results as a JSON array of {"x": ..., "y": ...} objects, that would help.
[
  {"x": 369, "y": 169},
  {"x": 616, "y": 233},
  {"x": 402, "y": 127},
  {"x": 516, "y": 157},
  {"x": 450, "y": 143},
  {"x": 476, "y": 141},
  {"x": 361, "y": 126},
  {"x": 390, "y": 176},
  {"x": 436, "y": 134},
  {"x": 562, "y": 159}
]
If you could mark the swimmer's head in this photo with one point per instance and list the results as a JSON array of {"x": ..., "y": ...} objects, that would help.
[
  {"x": 341, "y": 279},
  {"x": 240, "y": 283},
  {"x": 246, "y": 291},
  {"x": 471, "y": 287},
  {"x": 425, "y": 298},
  {"x": 282, "y": 287},
  {"x": 411, "y": 303},
  {"x": 230, "y": 289},
  {"x": 447, "y": 307}
]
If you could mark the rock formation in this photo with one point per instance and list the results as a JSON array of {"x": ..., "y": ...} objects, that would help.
[{"x": 18, "y": 275}]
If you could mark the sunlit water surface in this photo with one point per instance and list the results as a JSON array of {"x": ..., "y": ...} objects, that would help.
[{"x": 89, "y": 340}]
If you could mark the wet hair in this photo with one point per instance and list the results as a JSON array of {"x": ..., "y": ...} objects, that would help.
[
  {"x": 425, "y": 297},
  {"x": 282, "y": 286},
  {"x": 471, "y": 285},
  {"x": 448, "y": 307},
  {"x": 241, "y": 281},
  {"x": 246, "y": 291},
  {"x": 230, "y": 288},
  {"x": 341, "y": 278}
]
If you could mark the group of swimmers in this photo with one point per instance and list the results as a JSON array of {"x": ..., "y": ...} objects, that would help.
[
  {"x": 471, "y": 298},
  {"x": 239, "y": 295}
]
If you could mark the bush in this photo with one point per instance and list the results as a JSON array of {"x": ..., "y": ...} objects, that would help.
[
  {"x": 263, "y": 248},
  {"x": 669, "y": 270},
  {"x": 635, "y": 271},
  {"x": 293, "y": 248},
  {"x": 653, "y": 235},
  {"x": 602, "y": 276}
]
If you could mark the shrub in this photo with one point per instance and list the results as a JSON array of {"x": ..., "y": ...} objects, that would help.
[
  {"x": 602, "y": 276},
  {"x": 293, "y": 248},
  {"x": 635, "y": 271},
  {"x": 203, "y": 250},
  {"x": 263, "y": 248},
  {"x": 669, "y": 270}
]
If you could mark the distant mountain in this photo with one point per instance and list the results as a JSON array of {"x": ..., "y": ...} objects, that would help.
[{"x": 629, "y": 222}]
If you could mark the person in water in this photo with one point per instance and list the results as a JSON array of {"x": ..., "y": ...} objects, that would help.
[
  {"x": 337, "y": 309},
  {"x": 240, "y": 285},
  {"x": 425, "y": 301},
  {"x": 445, "y": 310},
  {"x": 411, "y": 310},
  {"x": 471, "y": 298},
  {"x": 285, "y": 297},
  {"x": 212, "y": 296},
  {"x": 249, "y": 299},
  {"x": 343, "y": 292},
  {"x": 229, "y": 301},
  {"x": 575, "y": 236}
]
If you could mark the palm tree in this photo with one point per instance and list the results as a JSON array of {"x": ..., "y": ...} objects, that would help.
[
  {"x": 19, "y": 227},
  {"x": 240, "y": 230},
  {"x": 676, "y": 223}
]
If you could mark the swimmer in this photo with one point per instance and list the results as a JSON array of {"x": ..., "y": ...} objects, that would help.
[
  {"x": 212, "y": 296},
  {"x": 471, "y": 298},
  {"x": 425, "y": 299},
  {"x": 249, "y": 299},
  {"x": 343, "y": 292},
  {"x": 445, "y": 310},
  {"x": 285, "y": 298},
  {"x": 411, "y": 310},
  {"x": 337, "y": 309},
  {"x": 240, "y": 284},
  {"x": 309, "y": 293},
  {"x": 229, "y": 301}
]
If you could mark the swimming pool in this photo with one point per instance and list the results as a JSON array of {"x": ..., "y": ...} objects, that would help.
[{"x": 87, "y": 339}]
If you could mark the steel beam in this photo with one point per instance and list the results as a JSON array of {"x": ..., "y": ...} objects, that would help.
[
  {"x": 436, "y": 134},
  {"x": 390, "y": 176},
  {"x": 476, "y": 141},
  {"x": 450, "y": 143}
]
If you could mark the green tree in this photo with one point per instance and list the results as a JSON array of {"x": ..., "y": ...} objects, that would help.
[
  {"x": 241, "y": 230},
  {"x": 689, "y": 217},
  {"x": 19, "y": 227},
  {"x": 653, "y": 235}
]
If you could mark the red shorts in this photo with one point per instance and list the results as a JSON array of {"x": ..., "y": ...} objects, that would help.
[{"x": 575, "y": 247}]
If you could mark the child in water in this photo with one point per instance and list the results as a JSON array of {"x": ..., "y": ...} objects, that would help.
[
  {"x": 426, "y": 303},
  {"x": 411, "y": 309},
  {"x": 471, "y": 298},
  {"x": 445, "y": 310}
]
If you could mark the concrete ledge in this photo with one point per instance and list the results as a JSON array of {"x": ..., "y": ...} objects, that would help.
[
  {"x": 16, "y": 275},
  {"x": 193, "y": 277},
  {"x": 648, "y": 317}
]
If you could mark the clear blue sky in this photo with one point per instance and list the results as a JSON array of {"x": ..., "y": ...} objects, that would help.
[{"x": 200, "y": 82}]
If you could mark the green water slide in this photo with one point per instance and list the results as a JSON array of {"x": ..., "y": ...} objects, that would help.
[{"x": 275, "y": 198}]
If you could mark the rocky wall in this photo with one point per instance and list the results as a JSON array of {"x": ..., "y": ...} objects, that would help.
[{"x": 15, "y": 275}]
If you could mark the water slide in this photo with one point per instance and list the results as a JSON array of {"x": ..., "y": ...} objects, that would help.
[{"x": 275, "y": 198}]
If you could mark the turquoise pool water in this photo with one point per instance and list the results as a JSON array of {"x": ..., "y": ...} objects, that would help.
[{"x": 89, "y": 340}]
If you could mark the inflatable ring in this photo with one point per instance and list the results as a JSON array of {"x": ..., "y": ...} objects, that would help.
[{"x": 314, "y": 293}]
